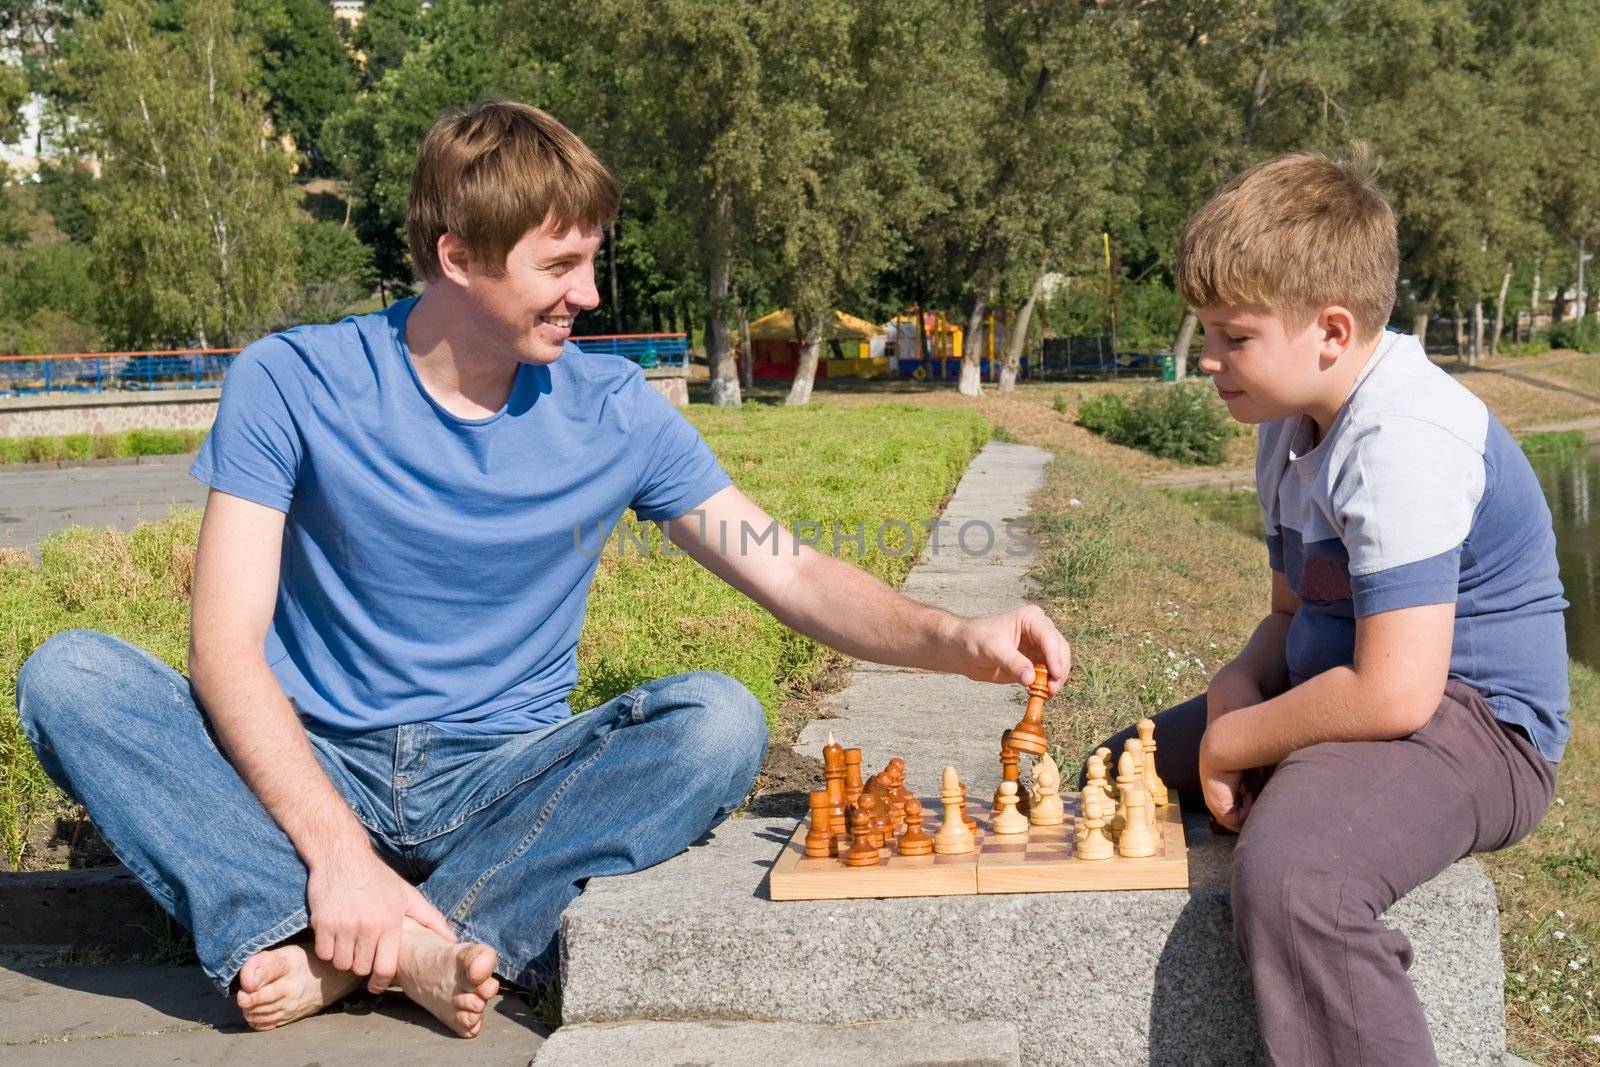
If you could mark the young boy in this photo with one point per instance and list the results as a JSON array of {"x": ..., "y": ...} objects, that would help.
[{"x": 1408, "y": 690}]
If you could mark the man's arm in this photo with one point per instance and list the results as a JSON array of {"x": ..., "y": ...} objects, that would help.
[
  {"x": 1401, "y": 664},
  {"x": 848, "y": 609},
  {"x": 357, "y": 902}
]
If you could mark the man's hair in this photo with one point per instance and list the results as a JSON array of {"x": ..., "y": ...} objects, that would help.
[
  {"x": 491, "y": 174},
  {"x": 1297, "y": 233}
]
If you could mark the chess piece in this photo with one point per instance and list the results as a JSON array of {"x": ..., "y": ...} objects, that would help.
[
  {"x": 1047, "y": 808},
  {"x": 972, "y": 824},
  {"x": 898, "y": 794},
  {"x": 833, "y": 778},
  {"x": 953, "y": 838},
  {"x": 1093, "y": 843},
  {"x": 915, "y": 841},
  {"x": 867, "y": 804},
  {"x": 1110, "y": 765},
  {"x": 1137, "y": 838},
  {"x": 1008, "y": 820},
  {"x": 819, "y": 839},
  {"x": 861, "y": 852},
  {"x": 1094, "y": 786},
  {"x": 1028, "y": 735},
  {"x": 1010, "y": 767},
  {"x": 1127, "y": 778},
  {"x": 1152, "y": 780},
  {"x": 1136, "y": 748},
  {"x": 852, "y": 776}
]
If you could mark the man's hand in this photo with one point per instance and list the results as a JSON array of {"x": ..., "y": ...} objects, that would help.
[
  {"x": 1224, "y": 791},
  {"x": 357, "y": 910},
  {"x": 1004, "y": 647},
  {"x": 1231, "y": 689}
]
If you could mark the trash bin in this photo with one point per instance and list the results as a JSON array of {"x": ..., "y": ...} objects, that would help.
[{"x": 1169, "y": 366}]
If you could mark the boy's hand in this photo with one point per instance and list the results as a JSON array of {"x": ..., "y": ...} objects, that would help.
[
  {"x": 1224, "y": 791},
  {"x": 1230, "y": 690}
]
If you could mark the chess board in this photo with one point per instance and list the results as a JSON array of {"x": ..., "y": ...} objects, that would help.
[{"x": 1042, "y": 861}]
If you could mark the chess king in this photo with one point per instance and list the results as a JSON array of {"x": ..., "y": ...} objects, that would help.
[
  {"x": 372, "y": 775},
  {"x": 1405, "y": 700}
]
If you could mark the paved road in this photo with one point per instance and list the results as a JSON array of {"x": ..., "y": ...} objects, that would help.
[{"x": 35, "y": 501}]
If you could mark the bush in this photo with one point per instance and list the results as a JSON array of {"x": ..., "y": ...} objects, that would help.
[
  {"x": 162, "y": 442},
  {"x": 1534, "y": 346},
  {"x": 1059, "y": 402},
  {"x": 1555, "y": 443},
  {"x": 1184, "y": 422},
  {"x": 1580, "y": 335}
]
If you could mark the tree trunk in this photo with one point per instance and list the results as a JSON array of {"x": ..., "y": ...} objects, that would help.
[
  {"x": 1500, "y": 311},
  {"x": 747, "y": 368},
  {"x": 1019, "y": 334},
  {"x": 971, "y": 383},
  {"x": 1535, "y": 294},
  {"x": 1461, "y": 334},
  {"x": 1475, "y": 351},
  {"x": 1583, "y": 292},
  {"x": 1419, "y": 321},
  {"x": 1181, "y": 343},
  {"x": 805, "y": 373},
  {"x": 616, "y": 291},
  {"x": 719, "y": 349}
]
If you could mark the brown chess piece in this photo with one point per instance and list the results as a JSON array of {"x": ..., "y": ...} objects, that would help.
[
  {"x": 1028, "y": 735},
  {"x": 915, "y": 841},
  {"x": 833, "y": 776},
  {"x": 819, "y": 839},
  {"x": 861, "y": 852},
  {"x": 869, "y": 804},
  {"x": 966, "y": 816},
  {"x": 852, "y": 775},
  {"x": 1010, "y": 766}
]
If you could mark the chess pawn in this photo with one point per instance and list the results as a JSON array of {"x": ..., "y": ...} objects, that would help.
[
  {"x": 953, "y": 838},
  {"x": 819, "y": 839},
  {"x": 852, "y": 776},
  {"x": 972, "y": 824},
  {"x": 1008, "y": 820},
  {"x": 876, "y": 820},
  {"x": 1028, "y": 735},
  {"x": 1093, "y": 843},
  {"x": 1137, "y": 839},
  {"x": 1047, "y": 808},
  {"x": 915, "y": 841},
  {"x": 1010, "y": 767},
  {"x": 1109, "y": 765},
  {"x": 1152, "y": 780},
  {"x": 861, "y": 853}
]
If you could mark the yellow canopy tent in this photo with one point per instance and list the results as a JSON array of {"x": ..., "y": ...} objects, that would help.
[{"x": 779, "y": 326}]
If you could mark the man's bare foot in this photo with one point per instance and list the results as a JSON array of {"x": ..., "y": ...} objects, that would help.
[
  {"x": 452, "y": 979},
  {"x": 286, "y": 983}
]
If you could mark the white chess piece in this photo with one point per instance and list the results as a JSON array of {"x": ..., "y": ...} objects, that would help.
[
  {"x": 1045, "y": 807},
  {"x": 1007, "y": 819}
]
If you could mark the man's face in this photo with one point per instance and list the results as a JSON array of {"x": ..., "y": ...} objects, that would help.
[
  {"x": 548, "y": 279},
  {"x": 1262, "y": 368}
]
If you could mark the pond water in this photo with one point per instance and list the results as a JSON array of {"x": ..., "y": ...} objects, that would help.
[{"x": 1571, "y": 486}]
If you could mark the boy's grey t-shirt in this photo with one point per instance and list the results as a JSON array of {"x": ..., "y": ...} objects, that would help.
[
  {"x": 435, "y": 568},
  {"x": 1417, "y": 495}
]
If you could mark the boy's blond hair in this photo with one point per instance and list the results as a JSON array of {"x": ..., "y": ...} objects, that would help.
[
  {"x": 1297, "y": 233},
  {"x": 491, "y": 174}
]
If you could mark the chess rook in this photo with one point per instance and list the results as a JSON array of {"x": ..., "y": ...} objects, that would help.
[
  {"x": 1138, "y": 838},
  {"x": 820, "y": 840},
  {"x": 852, "y": 776}
]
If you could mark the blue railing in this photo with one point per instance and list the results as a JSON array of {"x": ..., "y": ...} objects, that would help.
[
  {"x": 204, "y": 368},
  {"x": 645, "y": 349}
]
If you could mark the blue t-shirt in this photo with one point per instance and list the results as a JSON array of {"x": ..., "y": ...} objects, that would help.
[
  {"x": 1417, "y": 495},
  {"x": 430, "y": 568}
]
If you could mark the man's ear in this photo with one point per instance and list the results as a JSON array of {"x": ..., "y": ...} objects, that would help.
[
  {"x": 455, "y": 258},
  {"x": 1338, "y": 326}
]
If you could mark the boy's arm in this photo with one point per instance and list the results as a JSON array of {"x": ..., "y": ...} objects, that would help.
[
  {"x": 1260, "y": 667},
  {"x": 356, "y": 901},
  {"x": 1401, "y": 664}
]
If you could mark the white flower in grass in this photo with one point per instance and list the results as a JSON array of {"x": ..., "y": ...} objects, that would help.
[{"x": 1544, "y": 1009}]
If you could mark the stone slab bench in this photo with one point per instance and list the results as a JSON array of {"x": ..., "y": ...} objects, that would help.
[
  {"x": 938, "y": 1043},
  {"x": 1087, "y": 978}
]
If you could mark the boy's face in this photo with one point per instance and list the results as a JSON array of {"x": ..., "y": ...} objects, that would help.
[
  {"x": 1264, "y": 369},
  {"x": 548, "y": 279}
]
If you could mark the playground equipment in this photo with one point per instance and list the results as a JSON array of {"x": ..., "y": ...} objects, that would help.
[{"x": 853, "y": 347}]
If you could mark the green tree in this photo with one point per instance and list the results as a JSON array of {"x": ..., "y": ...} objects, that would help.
[
  {"x": 306, "y": 74},
  {"x": 333, "y": 270},
  {"x": 193, "y": 243},
  {"x": 387, "y": 31}
]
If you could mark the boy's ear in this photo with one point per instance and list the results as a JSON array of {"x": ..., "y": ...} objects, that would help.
[{"x": 1338, "y": 325}]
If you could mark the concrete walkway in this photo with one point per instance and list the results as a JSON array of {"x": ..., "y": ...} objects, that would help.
[{"x": 39, "y": 499}]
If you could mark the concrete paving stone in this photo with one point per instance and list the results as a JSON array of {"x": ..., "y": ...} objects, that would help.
[
  {"x": 1088, "y": 978},
  {"x": 87, "y": 1016},
  {"x": 37, "y": 501},
  {"x": 931, "y": 1043}
]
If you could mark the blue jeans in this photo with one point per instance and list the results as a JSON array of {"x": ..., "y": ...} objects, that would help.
[{"x": 499, "y": 832}]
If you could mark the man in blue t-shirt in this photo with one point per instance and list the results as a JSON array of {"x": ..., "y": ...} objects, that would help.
[{"x": 374, "y": 743}]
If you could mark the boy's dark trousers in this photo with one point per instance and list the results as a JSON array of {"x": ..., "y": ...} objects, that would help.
[{"x": 1339, "y": 832}]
